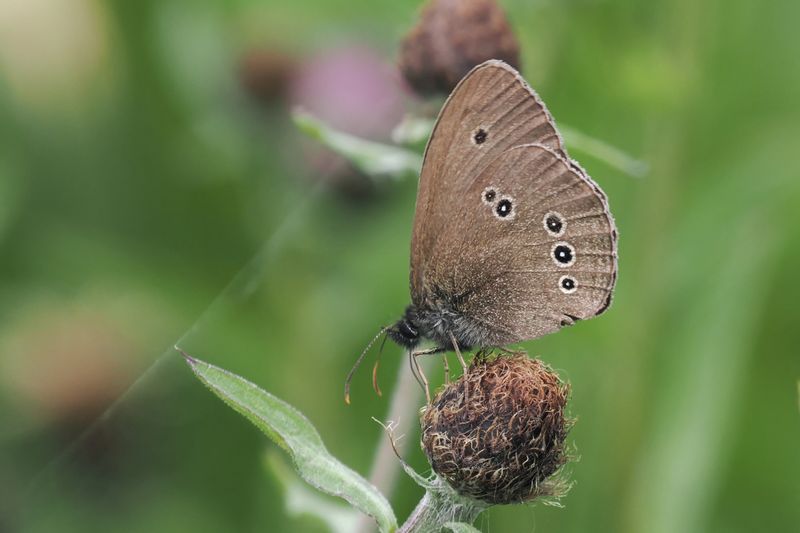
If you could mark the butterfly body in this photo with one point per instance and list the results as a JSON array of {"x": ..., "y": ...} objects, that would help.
[
  {"x": 437, "y": 324},
  {"x": 512, "y": 240}
]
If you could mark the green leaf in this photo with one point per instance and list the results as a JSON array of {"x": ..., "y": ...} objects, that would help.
[
  {"x": 372, "y": 158},
  {"x": 293, "y": 432},
  {"x": 300, "y": 500},
  {"x": 605, "y": 152},
  {"x": 461, "y": 527},
  {"x": 413, "y": 130}
]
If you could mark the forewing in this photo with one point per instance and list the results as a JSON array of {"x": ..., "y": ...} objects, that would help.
[
  {"x": 494, "y": 99},
  {"x": 506, "y": 274}
]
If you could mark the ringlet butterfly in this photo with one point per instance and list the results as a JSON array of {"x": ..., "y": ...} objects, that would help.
[{"x": 512, "y": 240}]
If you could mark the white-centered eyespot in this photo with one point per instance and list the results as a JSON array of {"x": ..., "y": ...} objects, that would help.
[
  {"x": 489, "y": 195},
  {"x": 505, "y": 208},
  {"x": 554, "y": 224},
  {"x": 567, "y": 284},
  {"x": 563, "y": 254}
]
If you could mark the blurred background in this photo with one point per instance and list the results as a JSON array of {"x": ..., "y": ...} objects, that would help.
[{"x": 154, "y": 189}]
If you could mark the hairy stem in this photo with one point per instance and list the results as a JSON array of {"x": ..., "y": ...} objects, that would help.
[
  {"x": 438, "y": 507},
  {"x": 422, "y": 515}
]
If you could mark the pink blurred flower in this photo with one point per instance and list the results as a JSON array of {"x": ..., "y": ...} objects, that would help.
[{"x": 353, "y": 90}]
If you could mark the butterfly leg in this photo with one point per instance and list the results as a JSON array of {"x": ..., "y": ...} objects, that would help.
[
  {"x": 511, "y": 352},
  {"x": 414, "y": 372},
  {"x": 420, "y": 375},
  {"x": 458, "y": 353},
  {"x": 446, "y": 367},
  {"x": 417, "y": 369}
]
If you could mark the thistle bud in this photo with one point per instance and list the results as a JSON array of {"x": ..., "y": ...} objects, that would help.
[
  {"x": 451, "y": 37},
  {"x": 497, "y": 433}
]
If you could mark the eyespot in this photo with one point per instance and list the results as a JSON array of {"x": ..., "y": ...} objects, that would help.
[
  {"x": 480, "y": 136},
  {"x": 563, "y": 254},
  {"x": 504, "y": 208},
  {"x": 554, "y": 224},
  {"x": 489, "y": 195},
  {"x": 567, "y": 284}
]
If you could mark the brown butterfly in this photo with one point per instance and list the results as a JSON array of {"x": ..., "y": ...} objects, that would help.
[{"x": 512, "y": 240}]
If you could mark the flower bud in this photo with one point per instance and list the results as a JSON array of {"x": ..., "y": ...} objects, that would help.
[
  {"x": 497, "y": 433},
  {"x": 451, "y": 37}
]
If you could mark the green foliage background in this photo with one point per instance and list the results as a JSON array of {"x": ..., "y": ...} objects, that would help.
[{"x": 132, "y": 192}]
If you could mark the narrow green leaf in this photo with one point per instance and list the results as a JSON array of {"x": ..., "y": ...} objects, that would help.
[
  {"x": 413, "y": 130},
  {"x": 293, "y": 432},
  {"x": 603, "y": 151},
  {"x": 461, "y": 527},
  {"x": 301, "y": 500},
  {"x": 372, "y": 158}
]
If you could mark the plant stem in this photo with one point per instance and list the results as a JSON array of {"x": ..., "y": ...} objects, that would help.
[
  {"x": 406, "y": 400},
  {"x": 421, "y": 515},
  {"x": 438, "y": 507},
  {"x": 403, "y": 409}
]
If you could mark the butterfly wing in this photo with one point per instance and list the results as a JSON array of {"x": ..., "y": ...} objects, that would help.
[
  {"x": 491, "y": 110},
  {"x": 531, "y": 247}
]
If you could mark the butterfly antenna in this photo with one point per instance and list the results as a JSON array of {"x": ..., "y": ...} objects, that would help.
[
  {"x": 358, "y": 364},
  {"x": 375, "y": 386}
]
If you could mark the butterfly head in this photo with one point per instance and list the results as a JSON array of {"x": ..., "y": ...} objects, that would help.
[{"x": 405, "y": 331}]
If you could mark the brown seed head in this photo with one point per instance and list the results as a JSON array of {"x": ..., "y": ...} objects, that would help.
[
  {"x": 265, "y": 73},
  {"x": 497, "y": 433},
  {"x": 451, "y": 37}
]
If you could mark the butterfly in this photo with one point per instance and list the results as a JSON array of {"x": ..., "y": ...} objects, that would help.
[{"x": 512, "y": 239}]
